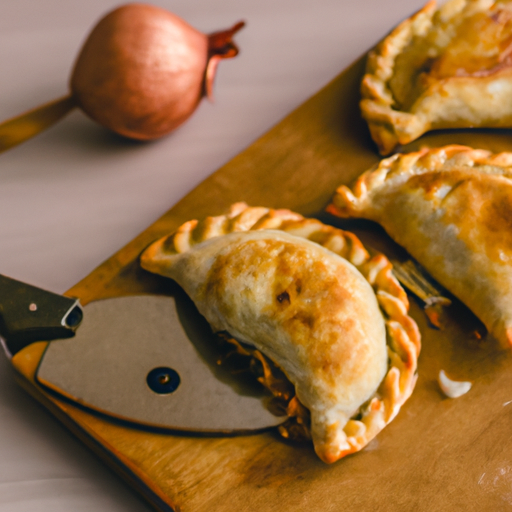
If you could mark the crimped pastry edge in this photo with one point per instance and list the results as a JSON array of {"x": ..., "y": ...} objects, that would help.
[{"x": 351, "y": 201}]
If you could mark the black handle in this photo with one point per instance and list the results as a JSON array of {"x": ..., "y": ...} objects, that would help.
[{"x": 29, "y": 314}]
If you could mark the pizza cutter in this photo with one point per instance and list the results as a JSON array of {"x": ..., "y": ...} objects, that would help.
[{"x": 148, "y": 360}]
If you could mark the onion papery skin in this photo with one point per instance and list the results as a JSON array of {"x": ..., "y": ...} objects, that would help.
[{"x": 141, "y": 72}]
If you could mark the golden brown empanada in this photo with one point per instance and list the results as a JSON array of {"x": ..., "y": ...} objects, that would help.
[
  {"x": 441, "y": 68},
  {"x": 451, "y": 208},
  {"x": 310, "y": 298}
]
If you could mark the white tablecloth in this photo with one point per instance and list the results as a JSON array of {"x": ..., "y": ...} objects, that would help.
[{"x": 72, "y": 196}]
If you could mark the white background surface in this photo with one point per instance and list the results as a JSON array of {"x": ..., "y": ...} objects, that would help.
[{"x": 74, "y": 195}]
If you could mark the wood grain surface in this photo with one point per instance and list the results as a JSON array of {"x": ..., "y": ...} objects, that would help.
[{"x": 438, "y": 454}]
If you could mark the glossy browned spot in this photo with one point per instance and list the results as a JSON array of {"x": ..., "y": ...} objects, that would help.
[
  {"x": 304, "y": 295},
  {"x": 479, "y": 204},
  {"x": 431, "y": 182},
  {"x": 482, "y": 46}
]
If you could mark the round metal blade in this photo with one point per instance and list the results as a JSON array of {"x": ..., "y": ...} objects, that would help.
[{"x": 129, "y": 354}]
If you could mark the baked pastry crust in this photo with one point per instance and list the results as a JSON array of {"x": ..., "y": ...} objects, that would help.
[
  {"x": 451, "y": 208},
  {"x": 441, "y": 68},
  {"x": 311, "y": 299}
]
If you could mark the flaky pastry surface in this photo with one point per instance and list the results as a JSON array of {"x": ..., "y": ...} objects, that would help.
[
  {"x": 312, "y": 300},
  {"x": 451, "y": 208},
  {"x": 446, "y": 67}
]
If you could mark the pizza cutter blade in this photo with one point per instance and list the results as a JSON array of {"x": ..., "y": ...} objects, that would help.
[{"x": 151, "y": 361}]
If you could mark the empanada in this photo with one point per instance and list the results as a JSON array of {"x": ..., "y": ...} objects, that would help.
[
  {"x": 451, "y": 208},
  {"x": 310, "y": 298},
  {"x": 441, "y": 68}
]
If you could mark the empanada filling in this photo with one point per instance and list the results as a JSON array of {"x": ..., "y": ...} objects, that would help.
[{"x": 240, "y": 357}]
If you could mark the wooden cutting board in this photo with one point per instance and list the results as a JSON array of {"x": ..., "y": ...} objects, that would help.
[{"x": 438, "y": 454}]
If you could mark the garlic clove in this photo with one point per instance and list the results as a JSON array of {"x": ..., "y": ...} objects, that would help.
[{"x": 452, "y": 388}]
